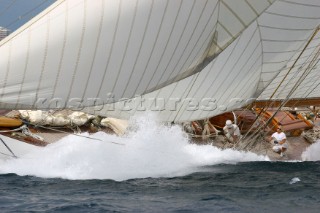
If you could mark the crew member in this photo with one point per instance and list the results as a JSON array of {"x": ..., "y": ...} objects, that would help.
[
  {"x": 232, "y": 132},
  {"x": 279, "y": 141}
]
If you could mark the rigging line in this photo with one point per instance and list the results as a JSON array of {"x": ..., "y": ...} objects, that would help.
[
  {"x": 312, "y": 90},
  {"x": 7, "y": 8},
  {"x": 293, "y": 65},
  {"x": 83, "y": 136},
  {"x": 255, "y": 135},
  {"x": 23, "y": 16},
  {"x": 306, "y": 72},
  {"x": 310, "y": 62},
  {"x": 187, "y": 94},
  {"x": 6, "y": 154},
  {"x": 4, "y": 143},
  {"x": 301, "y": 79},
  {"x": 12, "y": 130},
  {"x": 35, "y": 20}
]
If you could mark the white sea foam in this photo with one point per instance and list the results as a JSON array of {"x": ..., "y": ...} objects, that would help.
[
  {"x": 312, "y": 152},
  {"x": 149, "y": 150},
  {"x": 294, "y": 180}
]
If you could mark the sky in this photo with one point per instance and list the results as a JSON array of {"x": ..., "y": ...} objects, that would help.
[{"x": 14, "y": 13}]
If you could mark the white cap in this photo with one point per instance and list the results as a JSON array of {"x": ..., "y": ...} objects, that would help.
[{"x": 228, "y": 123}]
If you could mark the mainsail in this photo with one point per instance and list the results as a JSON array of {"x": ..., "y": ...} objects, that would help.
[
  {"x": 83, "y": 53},
  {"x": 185, "y": 60}
]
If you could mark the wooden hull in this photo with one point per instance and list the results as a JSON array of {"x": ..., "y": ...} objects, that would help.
[
  {"x": 292, "y": 124},
  {"x": 245, "y": 120}
]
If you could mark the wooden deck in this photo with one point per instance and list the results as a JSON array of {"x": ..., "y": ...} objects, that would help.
[{"x": 296, "y": 146}]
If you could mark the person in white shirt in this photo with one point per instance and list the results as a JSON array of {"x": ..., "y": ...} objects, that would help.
[
  {"x": 232, "y": 132},
  {"x": 279, "y": 140}
]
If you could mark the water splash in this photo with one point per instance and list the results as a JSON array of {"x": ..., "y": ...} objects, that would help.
[
  {"x": 312, "y": 152},
  {"x": 150, "y": 150},
  {"x": 294, "y": 180}
]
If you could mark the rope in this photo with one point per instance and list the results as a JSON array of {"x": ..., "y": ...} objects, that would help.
[
  {"x": 288, "y": 96},
  {"x": 13, "y": 155},
  {"x": 12, "y": 130},
  {"x": 264, "y": 108},
  {"x": 27, "y": 132},
  {"x": 83, "y": 136},
  {"x": 200, "y": 136}
]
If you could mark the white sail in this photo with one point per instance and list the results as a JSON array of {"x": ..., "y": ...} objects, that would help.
[
  {"x": 81, "y": 52},
  {"x": 250, "y": 68}
]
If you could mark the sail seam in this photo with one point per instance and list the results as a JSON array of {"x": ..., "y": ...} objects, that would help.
[
  {"x": 213, "y": 11},
  {"x": 62, "y": 53},
  {"x": 154, "y": 44},
  {"x": 189, "y": 40},
  {"x": 227, "y": 31},
  {"x": 95, "y": 49},
  {"x": 262, "y": 53},
  {"x": 83, "y": 30},
  {"x": 25, "y": 68},
  {"x": 43, "y": 65},
  {"x": 139, "y": 51},
  {"x": 297, "y": 75},
  {"x": 298, "y": 3},
  {"x": 294, "y": 64},
  {"x": 285, "y": 29},
  {"x": 245, "y": 71},
  {"x": 253, "y": 75},
  {"x": 291, "y": 16},
  {"x": 205, "y": 52},
  {"x": 214, "y": 29},
  {"x": 111, "y": 49},
  {"x": 187, "y": 91},
  {"x": 228, "y": 58},
  {"x": 240, "y": 70},
  {"x": 153, "y": 47},
  {"x": 292, "y": 59},
  {"x": 312, "y": 79},
  {"x": 188, "y": 57},
  {"x": 285, "y": 61},
  {"x": 171, "y": 31},
  {"x": 168, "y": 40},
  {"x": 180, "y": 77},
  {"x": 234, "y": 13},
  {"x": 7, "y": 74},
  {"x": 252, "y": 8},
  {"x": 126, "y": 48}
]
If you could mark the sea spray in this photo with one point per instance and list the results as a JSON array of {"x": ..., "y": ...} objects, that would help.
[
  {"x": 150, "y": 150},
  {"x": 312, "y": 152},
  {"x": 294, "y": 180}
]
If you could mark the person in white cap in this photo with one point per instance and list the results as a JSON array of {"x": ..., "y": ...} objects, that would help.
[
  {"x": 231, "y": 131},
  {"x": 279, "y": 140}
]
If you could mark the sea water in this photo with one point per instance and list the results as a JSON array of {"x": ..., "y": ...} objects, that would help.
[{"x": 154, "y": 168}]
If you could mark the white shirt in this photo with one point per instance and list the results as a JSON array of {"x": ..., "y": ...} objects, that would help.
[
  {"x": 279, "y": 136},
  {"x": 232, "y": 131}
]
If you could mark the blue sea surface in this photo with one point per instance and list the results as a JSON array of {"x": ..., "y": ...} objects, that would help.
[{"x": 242, "y": 187}]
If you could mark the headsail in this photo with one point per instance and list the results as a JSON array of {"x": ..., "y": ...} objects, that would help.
[
  {"x": 249, "y": 68},
  {"x": 81, "y": 52}
]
